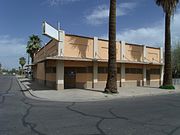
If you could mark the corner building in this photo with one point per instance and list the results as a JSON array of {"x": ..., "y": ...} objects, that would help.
[{"x": 81, "y": 62}]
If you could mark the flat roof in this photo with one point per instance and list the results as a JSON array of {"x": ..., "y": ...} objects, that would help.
[{"x": 98, "y": 60}]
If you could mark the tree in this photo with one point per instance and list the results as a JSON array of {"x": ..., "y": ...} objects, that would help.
[
  {"x": 33, "y": 45},
  {"x": 176, "y": 60},
  {"x": 13, "y": 70},
  {"x": 111, "y": 85},
  {"x": 169, "y": 7},
  {"x": 22, "y": 62}
]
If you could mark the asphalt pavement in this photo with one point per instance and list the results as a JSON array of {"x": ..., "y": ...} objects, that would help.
[{"x": 153, "y": 115}]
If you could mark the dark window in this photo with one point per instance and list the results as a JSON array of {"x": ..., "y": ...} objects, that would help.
[
  {"x": 118, "y": 70},
  {"x": 102, "y": 69},
  {"x": 81, "y": 70},
  {"x": 89, "y": 69},
  {"x": 155, "y": 71},
  {"x": 105, "y": 70},
  {"x": 50, "y": 69},
  {"x": 134, "y": 71},
  {"x": 84, "y": 69}
]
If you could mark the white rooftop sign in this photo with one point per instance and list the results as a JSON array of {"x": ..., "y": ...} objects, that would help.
[{"x": 50, "y": 31}]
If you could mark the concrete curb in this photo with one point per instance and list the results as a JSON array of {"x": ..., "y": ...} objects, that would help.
[{"x": 25, "y": 89}]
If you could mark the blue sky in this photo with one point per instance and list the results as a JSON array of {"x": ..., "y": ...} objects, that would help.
[{"x": 137, "y": 22}]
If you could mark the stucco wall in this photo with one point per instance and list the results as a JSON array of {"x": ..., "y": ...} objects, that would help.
[
  {"x": 51, "y": 77},
  {"x": 51, "y": 63},
  {"x": 82, "y": 47},
  {"x": 78, "y": 47},
  {"x": 153, "y": 54},
  {"x": 50, "y": 49},
  {"x": 103, "y": 50},
  {"x": 133, "y": 53},
  {"x": 40, "y": 71}
]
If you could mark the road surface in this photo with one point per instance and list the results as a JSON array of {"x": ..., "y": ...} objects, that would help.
[{"x": 19, "y": 115}]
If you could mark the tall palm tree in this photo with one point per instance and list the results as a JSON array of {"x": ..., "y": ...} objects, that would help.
[
  {"x": 111, "y": 85},
  {"x": 33, "y": 45},
  {"x": 22, "y": 62},
  {"x": 169, "y": 7}
]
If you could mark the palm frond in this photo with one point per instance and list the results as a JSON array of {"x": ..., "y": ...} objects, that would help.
[{"x": 169, "y": 6}]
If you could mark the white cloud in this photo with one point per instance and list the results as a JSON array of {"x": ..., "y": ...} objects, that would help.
[
  {"x": 151, "y": 35},
  {"x": 101, "y": 13},
  {"x": 57, "y": 2},
  {"x": 147, "y": 35},
  {"x": 11, "y": 50}
]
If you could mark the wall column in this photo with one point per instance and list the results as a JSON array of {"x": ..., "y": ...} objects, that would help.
[
  {"x": 161, "y": 74},
  {"x": 162, "y": 66},
  {"x": 60, "y": 75},
  {"x": 95, "y": 48},
  {"x": 122, "y": 58},
  {"x": 61, "y": 43},
  {"x": 144, "y": 75},
  {"x": 95, "y": 74},
  {"x": 95, "y": 63},
  {"x": 144, "y": 54},
  {"x": 161, "y": 55},
  {"x": 123, "y": 74},
  {"x": 122, "y": 55}
]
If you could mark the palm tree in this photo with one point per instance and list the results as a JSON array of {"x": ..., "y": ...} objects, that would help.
[
  {"x": 169, "y": 7},
  {"x": 22, "y": 62},
  {"x": 33, "y": 45},
  {"x": 111, "y": 85}
]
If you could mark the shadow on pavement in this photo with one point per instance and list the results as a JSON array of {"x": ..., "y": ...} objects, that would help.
[
  {"x": 35, "y": 86},
  {"x": 149, "y": 87},
  {"x": 94, "y": 90}
]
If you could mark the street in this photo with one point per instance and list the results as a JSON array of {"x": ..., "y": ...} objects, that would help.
[{"x": 19, "y": 115}]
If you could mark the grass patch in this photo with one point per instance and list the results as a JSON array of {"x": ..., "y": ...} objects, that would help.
[{"x": 170, "y": 87}]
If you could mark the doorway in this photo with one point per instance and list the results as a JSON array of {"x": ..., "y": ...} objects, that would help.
[{"x": 69, "y": 78}]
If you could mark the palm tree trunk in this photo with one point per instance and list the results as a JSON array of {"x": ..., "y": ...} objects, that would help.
[
  {"x": 168, "y": 66},
  {"x": 111, "y": 85}
]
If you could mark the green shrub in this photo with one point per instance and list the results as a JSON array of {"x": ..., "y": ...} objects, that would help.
[{"x": 171, "y": 87}]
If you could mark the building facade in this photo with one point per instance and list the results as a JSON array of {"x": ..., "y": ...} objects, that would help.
[{"x": 81, "y": 62}]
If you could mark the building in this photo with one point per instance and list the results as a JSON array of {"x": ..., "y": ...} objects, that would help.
[{"x": 81, "y": 62}]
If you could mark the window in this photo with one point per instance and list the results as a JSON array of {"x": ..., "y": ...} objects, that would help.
[
  {"x": 81, "y": 70},
  {"x": 84, "y": 69},
  {"x": 155, "y": 71},
  {"x": 118, "y": 70},
  {"x": 102, "y": 69},
  {"x": 134, "y": 71},
  {"x": 105, "y": 70}
]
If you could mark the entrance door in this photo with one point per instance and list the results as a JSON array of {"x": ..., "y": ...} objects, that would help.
[
  {"x": 69, "y": 78},
  {"x": 148, "y": 78}
]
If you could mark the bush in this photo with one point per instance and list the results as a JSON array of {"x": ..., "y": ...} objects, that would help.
[{"x": 171, "y": 87}]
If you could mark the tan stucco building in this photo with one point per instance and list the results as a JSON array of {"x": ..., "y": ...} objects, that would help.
[{"x": 81, "y": 62}]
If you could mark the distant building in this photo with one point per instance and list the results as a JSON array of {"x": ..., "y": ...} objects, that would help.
[{"x": 81, "y": 62}]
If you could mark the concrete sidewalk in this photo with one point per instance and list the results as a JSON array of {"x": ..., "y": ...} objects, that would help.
[{"x": 40, "y": 92}]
